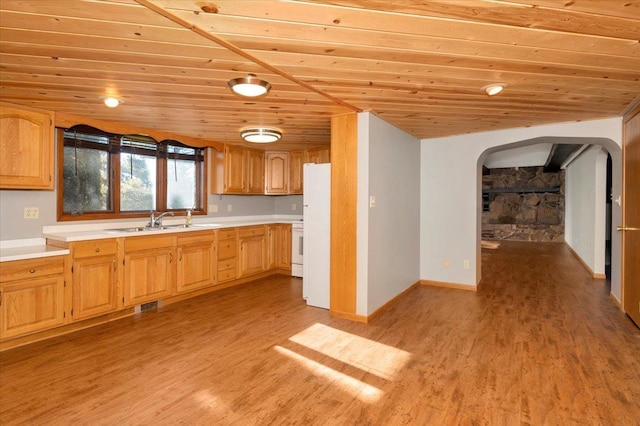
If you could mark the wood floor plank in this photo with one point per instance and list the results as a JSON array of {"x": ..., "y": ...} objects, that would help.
[{"x": 541, "y": 342}]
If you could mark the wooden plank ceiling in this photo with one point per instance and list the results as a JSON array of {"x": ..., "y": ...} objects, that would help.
[{"x": 417, "y": 64}]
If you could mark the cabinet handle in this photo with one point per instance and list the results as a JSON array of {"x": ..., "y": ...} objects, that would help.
[
  {"x": 180, "y": 255},
  {"x": 170, "y": 257},
  {"x": 98, "y": 250},
  {"x": 32, "y": 271}
]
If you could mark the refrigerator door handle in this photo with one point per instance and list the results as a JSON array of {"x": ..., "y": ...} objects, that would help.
[{"x": 300, "y": 246}]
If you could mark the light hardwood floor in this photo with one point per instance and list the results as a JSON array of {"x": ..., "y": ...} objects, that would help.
[{"x": 540, "y": 343}]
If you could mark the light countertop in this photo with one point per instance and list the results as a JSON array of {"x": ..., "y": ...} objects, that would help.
[
  {"x": 31, "y": 248},
  {"x": 82, "y": 232}
]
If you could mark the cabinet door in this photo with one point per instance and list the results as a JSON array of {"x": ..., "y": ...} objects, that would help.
[
  {"x": 319, "y": 156},
  {"x": 252, "y": 255},
  {"x": 94, "y": 286},
  {"x": 296, "y": 160},
  {"x": 255, "y": 170},
  {"x": 26, "y": 148},
  {"x": 234, "y": 170},
  {"x": 284, "y": 247},
  {"x": 31, "y": 305},
  {"x": 276, "y": 173},
  {"x": 272, "y": 246},
  {"x": 148, "y": 275},
  {"x": 196, "y": 266}
]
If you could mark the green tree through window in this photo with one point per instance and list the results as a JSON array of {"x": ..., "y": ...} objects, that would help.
[{"x": 146, "y": 172}]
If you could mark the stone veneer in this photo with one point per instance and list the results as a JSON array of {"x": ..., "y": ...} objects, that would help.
[{"x": 524, "y": 215}]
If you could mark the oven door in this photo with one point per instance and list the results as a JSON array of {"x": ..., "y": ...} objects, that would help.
[{"x": 297, "y": 236}]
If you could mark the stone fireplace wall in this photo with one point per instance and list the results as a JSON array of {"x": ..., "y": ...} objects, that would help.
[{"x": 523, "y": 204}]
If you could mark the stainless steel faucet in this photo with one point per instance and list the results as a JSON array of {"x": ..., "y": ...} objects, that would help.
[{"x": 156, "y": 222}]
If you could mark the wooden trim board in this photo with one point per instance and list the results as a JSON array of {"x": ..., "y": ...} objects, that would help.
[
  {"x": 457, "y": 286},
  {"x": 593, "y": 274}
]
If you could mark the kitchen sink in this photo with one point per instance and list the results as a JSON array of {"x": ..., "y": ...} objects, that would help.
[
  {"x": 134, "y": 229},
  {"x": 165, "y": 227}
]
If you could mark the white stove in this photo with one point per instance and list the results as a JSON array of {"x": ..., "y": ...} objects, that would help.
[{"x": 297, "y": 236}]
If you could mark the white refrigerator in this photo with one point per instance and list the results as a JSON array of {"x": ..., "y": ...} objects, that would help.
[{"x": 316, "y": 241}]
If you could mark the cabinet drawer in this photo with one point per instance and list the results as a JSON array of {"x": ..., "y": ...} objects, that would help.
[
  {"x": 94, "y": 248},
  {"x": 226, "y": 249},
  {"x": 196, "y": 238},
  {"x": 227, "y": 234},
  {"x": 32, "y": 268},
  {"x": 226, "y": 275},
  {"x": 226, "y": 264},
  {"x": 251, "y": 231},
  {"x": 148, "y": 243}
]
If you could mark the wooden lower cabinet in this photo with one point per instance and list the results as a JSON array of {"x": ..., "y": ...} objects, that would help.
[
  {"x": 149, "y": 271},
  {"x": 252, "y": 242},
  {"x": 196, "y": 266},
  {"x": 272, "y": 246},
  {"x": 31, "y": 296},
  {"x": 227, "y": 254},
  {"x": 283, "y": 247},
  {"x": 94, "y": 278}
]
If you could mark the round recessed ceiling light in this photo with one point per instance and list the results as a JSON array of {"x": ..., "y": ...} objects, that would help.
[
  {"x": 261, "y": 134},
  {"x": 111, "y": 102},
  {"x": 494, "y": 89},
  {"x": 249, "y": 86}
]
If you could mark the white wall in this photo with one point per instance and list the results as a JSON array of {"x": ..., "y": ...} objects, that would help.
[
  {"x": 450, "y": 195},
  {"x": 585, "y": 212},
  {"x": 389, "y": 233}
]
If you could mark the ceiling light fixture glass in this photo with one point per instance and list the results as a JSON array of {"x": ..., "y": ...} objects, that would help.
[
  {"x": 249, "y": 86},
  {"x": 111, "y": 102},
  {"x": 494, "y": 89},
  {"x": 260, "y": 135}
]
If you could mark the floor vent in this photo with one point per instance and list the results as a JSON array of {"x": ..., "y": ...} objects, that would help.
[{"x": 151, "y": 306}]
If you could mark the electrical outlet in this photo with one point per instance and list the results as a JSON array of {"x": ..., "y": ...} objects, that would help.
[
  {"x": 229, "y": 207},
  {"x": 294, "y": 207},
  {"x": 372, "y": 201},
  {"x": 465, "y": 264},
  {"x": 447, "y": 263},
  {"x": 213, "y": 208},
  {"x": 31, "y": 212}
]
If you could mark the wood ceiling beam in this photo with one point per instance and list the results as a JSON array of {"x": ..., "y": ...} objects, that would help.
[{"x": 204, "y": 33}]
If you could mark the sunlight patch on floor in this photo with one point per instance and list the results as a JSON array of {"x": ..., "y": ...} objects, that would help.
[
  {"x": 211, "y": 402},
  {"x": 356, "y": 388},
  {"x": 367, "y": 355}
]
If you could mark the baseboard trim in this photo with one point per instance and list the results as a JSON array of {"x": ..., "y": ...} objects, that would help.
[
  {"x": 64, "y": 329},
  {"x": 457, "y": 286},
  {"x": 348, "y": 316},
  {"x": 616, "y": 301},
  {"x": 596, "y": 276},
  {"x": 392, "y": 301}
]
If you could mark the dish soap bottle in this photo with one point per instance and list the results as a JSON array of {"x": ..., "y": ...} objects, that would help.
[{"x": 188, "y": 224}]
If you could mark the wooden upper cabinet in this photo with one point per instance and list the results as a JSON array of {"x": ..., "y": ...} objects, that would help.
[
  {"x": 235, "y": 170},
  {"x": 276, "y": 173},
  {"x": 255, "y": 171},
  {"x": 296, "y": 160},
  {"x": 319, "y": 156},
  {"x": 26, "y": 148}
]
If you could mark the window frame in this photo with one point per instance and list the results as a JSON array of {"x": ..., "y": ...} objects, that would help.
[{"x": 114, "y": 180}]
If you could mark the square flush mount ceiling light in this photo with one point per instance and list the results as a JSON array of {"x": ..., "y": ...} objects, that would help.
[
  {"x": 249, "y": 86},
  {"x": 260, "y": 134}
]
